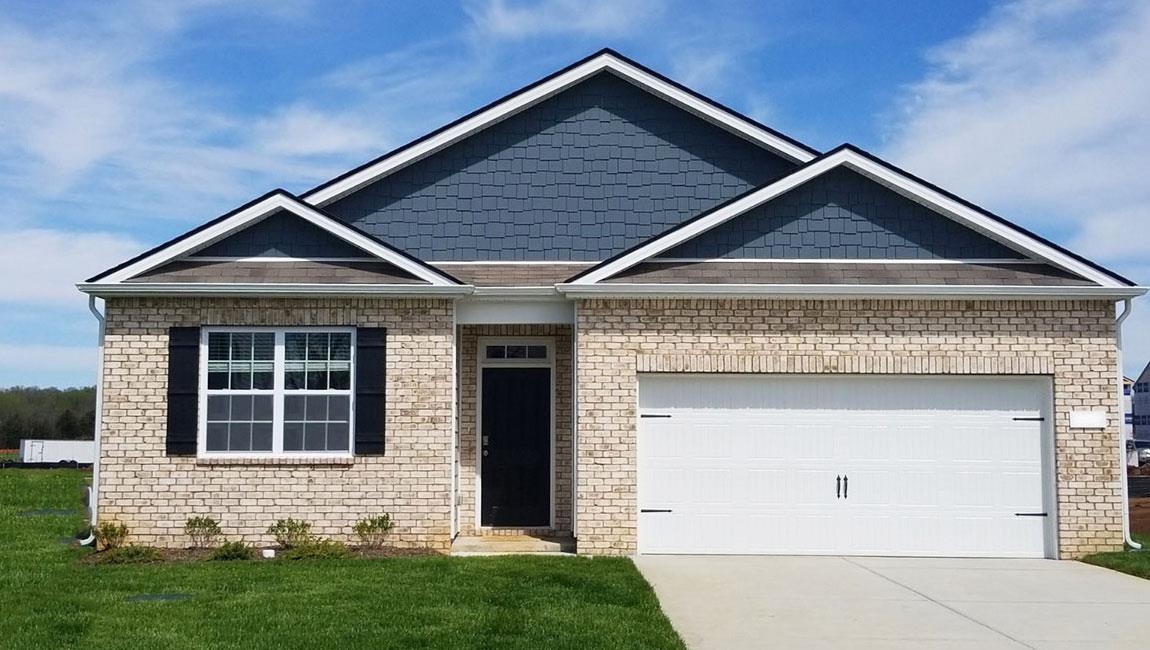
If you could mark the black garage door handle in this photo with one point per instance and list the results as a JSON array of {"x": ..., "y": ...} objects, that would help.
[{"x": 652, "y": 510}]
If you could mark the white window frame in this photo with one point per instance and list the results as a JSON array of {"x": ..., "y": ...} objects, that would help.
[{"x": 278, "y": 394}]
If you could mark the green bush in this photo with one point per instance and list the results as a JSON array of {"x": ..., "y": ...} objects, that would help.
[
  {"x": 318, "y": 549},
  {"x": 233, "y": 551},
  {"x": 111, "y": 534},
  {"x": 204, "y": 531},
  {"x": 129, "y": 555},
  {"x": 290, "y": 533},
  {"x": 373, "y": 531}
]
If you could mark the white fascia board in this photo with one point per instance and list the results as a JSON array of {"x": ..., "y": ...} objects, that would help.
[
  {"x": 930, "y": 197},
  {"x": 620, "y": 290},
  {"x": 532, "y": 293},
  {"x": 260, "y": 210},
  {"x": 515, "y": 312},
  {"x": 102, "y": 289},
  {"x": 540, "y": 92}
]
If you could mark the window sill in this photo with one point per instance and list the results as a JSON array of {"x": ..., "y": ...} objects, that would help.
[{"x": 345, "y": 461}]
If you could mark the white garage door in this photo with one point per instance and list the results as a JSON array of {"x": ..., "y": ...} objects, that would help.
[{"x": 855, "y": 465}]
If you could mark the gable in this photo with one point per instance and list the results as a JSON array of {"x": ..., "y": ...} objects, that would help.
[
  {"x": 597, "y": 168},
  {"x": 192, "y": 270},
  {"x": 281, "y": 234},
  {"x": 841, "y": 215}
]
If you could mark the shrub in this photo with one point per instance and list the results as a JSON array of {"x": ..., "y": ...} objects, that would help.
[
  {"x": 129, "y": 555},
  {"x": 204, "y": 531},
  {"x": 373, "y": 531},
  {"x": 318, "y": 549},
  {"x": 290, "y": 533},
  {"x": 233, "y": 551},
  {"x": 111, "y": 534}
]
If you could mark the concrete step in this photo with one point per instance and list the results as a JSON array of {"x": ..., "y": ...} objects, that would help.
[{"x": 512, "y": 545}]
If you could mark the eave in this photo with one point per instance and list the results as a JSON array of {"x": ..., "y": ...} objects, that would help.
[
  {"x": 620, "y": 290},
  {"x": 268, "y": 290}
]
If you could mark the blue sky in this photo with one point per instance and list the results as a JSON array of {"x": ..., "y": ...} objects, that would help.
[{"x": 127, "y": 122}]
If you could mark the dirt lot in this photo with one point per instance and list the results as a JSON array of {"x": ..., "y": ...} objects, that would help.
[{"x": 1140, "y": 516}]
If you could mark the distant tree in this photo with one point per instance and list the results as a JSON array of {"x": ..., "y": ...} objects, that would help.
[{"x": 49, "y": 413}]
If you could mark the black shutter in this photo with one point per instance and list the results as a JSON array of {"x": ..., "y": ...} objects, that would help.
[
  {"x": 183, "y": 390},
  {"x": 370, "y": 384}
]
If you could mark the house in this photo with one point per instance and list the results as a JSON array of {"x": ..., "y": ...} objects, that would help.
[
  {"x": 1140, "y": 406},
  {"x": 1128, "y": 421},
  {"x": 607, "y": 307}
]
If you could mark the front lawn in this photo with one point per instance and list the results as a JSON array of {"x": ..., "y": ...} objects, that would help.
[
  {"x": 1136, "y": 563},
  {"x": 50, "y": 600}
]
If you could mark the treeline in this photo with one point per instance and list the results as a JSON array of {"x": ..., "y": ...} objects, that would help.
[{"x": 46, "y": 413}]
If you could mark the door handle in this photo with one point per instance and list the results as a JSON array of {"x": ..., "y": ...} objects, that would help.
[
  {"x": 845, "y": 485},
  {"x": 838, "y": 487}
]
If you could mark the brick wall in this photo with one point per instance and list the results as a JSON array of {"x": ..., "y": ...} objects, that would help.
[
  {"x": 1072, "y": 341},
  {"x": 468, "y": 399},
  {"x": 154, "y": 493}
]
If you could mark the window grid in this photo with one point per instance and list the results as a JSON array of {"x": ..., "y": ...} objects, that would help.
[{"x": 322, "y": 427}]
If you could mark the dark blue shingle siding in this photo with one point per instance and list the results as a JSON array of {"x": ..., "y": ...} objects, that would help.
[
  {"x": 281, "y": 235},
  {"x": 841, "y": 215},
  {"x": 581, "y": 176}
]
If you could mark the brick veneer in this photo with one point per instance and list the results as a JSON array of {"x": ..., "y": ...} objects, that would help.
[
  {"x": 1072, "y": 341},
  {"x": 468, "y": 399},
  {"x": 154, "y": 493}
]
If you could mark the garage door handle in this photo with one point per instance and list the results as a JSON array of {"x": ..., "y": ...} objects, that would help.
[
  {"x": 652, "y": 510},
  {"x": 846, "y": 485},
  {"x": 1030, "y": 514},
  {"x": 838, "y": 487}
]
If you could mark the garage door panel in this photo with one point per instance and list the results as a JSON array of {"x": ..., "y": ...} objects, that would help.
[{"x": 748, "y": 465}]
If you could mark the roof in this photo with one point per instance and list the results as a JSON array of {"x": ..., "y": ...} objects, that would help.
[{"x": 847, "y": 155}]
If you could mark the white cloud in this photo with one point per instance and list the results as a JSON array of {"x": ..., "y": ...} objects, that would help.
[
  {"x": 1041, "y": 114},
  {"x": 511, "y": 20},
  {"x": 1041, "y": 110},
  {"x": 41, "y": 267}
]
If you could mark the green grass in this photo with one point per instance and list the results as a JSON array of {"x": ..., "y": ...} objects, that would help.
[
  {"x": 1136, "y": 563},
  {"x": 50, "y": 600}
]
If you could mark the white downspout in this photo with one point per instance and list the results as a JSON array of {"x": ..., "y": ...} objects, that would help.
[
  {"x": 94, "y": 491},
  {"x": 1127, "y": 305}
]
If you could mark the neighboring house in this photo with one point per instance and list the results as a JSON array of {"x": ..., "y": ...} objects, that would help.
[
  {"x": 607, "y": 307},
  {"x": 1128, "y": 421},
  {"x": 1140, "y": 405}
]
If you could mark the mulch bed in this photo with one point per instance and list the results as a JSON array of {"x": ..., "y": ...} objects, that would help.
[{"x": 202, "y": 554}]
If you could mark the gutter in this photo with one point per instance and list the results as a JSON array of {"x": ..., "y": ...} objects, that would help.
[
  {"x": 1127, "y": 305},
  {"x": 94, "y": 491},
  {"x": 986, "y": 292}
]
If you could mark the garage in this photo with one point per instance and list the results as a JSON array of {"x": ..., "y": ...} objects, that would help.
[{"x": 846, "y": 465}]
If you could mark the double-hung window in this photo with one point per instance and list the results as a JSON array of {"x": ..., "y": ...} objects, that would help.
[{"x": 276, "y": 391}]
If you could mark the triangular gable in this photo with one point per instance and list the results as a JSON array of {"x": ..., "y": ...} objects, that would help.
[
  {"x": 282, "y": 234},
  {"x": 530, "y": 95},
  {"x": 276, "y": 202},
  {"x": 842, "y": 215},
  {"x": 939, "y": 201}
]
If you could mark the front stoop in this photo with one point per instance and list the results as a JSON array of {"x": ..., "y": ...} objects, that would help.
[{"x": 513, "y": 545}]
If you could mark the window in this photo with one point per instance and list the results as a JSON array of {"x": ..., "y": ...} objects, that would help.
[
  {"x": 270, "y": 392},
  {"x": 516, "y": 351}
]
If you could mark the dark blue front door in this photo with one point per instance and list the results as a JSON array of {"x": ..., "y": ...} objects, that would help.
[{"x": 516, "y": 447}]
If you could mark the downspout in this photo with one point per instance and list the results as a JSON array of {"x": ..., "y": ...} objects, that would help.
[
  {"x": 94, "y": 491},
  {"x": 1127, "y": 305},
  {"x": 575, "y": 421}
]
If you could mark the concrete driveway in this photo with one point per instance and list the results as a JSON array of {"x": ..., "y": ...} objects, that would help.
[{"x": 836, "y": 602}]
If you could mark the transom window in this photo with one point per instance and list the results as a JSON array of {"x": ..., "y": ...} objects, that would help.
[
  {"x": 268, "y": 392},
  {"x": 516, "y": 351}
]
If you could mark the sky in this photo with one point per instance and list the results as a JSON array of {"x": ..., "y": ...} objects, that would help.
[{"x": 124, "y": 123}]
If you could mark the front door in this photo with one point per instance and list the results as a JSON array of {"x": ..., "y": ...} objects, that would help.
[{"x": 515, "y": 447}]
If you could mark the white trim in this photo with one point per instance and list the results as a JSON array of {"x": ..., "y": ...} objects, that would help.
[
  {"x": 516, "y": 312},
  {"x": 577, "y": 290},
  {"x": 482, "y": 361},
  {"x": 278, "y": 393},
  {"x": 274, "y": 260},
  {"x": 533, "y": 95},
  {"x": 1001, "y": 232},
  {"x": 269, "y": 289},
  {"x": 514, "y": 292},
  {"x": 744, "y": 260},
  {"x": 455, "y": 430},
  {"x": 258, "y": 211},
  {"x": 575, "y": 423}
]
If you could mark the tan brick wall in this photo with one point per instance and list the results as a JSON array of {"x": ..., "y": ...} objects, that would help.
[
  {"x": 469, "y": 336},
  {"x": 1073, "y": 341},
  {"x": 154, "y": 493}
]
